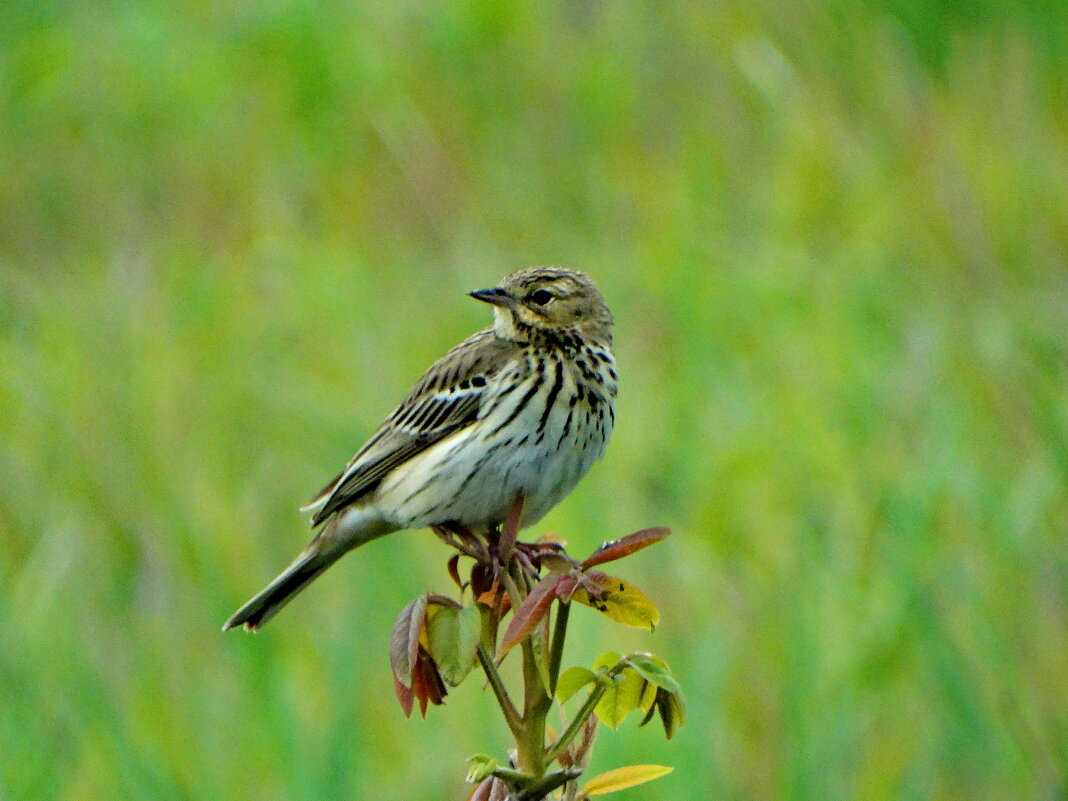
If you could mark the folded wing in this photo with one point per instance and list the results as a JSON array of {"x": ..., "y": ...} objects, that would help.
[{"x": 446, "y": 399}]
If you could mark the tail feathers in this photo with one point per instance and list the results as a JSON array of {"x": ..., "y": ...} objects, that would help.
[{"x": 304, "y": 570}]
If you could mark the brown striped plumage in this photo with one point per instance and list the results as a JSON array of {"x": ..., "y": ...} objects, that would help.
[{"x": 525, "y": 406}]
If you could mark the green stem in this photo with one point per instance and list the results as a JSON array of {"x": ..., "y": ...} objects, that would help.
[
  {"x": 512, "y": 589},
  {"x": 535, "y": 708},
  {"x": 556, "y": 653},
  {"x": 541, "y": 789},
  {"x": 564, "y": 740},
  {"x": 511, "y": 714}
]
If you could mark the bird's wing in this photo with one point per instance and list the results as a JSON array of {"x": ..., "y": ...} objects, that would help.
[{"x": 446, "y": 399}]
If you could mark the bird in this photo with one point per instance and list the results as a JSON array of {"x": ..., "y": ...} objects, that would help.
[{"x": 522, "y": 408}]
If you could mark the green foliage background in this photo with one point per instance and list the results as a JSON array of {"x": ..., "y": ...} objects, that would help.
[{"x": 835, "y": 237}]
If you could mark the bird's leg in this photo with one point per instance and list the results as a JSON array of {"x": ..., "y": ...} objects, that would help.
[
  {"x": 510, "y": 532},
  {"x": 478, "y": 548},
  {"x": 523, "y": 558},
  {"x": 455, "y": 536}
]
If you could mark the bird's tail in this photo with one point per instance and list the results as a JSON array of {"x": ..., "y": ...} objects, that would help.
[
  {"x": 344, "y": 531},
  {"x": 304, "y": 570}
]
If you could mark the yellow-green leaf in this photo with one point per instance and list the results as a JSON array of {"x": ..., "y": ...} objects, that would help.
[
  {"x": 606, "y": 660},
  {"x": 572, "y": 680},
  {"x": 620, "y": 600},
  {"x": 622, "y": 696},
  {"x": 453, "y": 636},
  {"x": 622, "y": 778},
  {"x": 481, "y": 767}
]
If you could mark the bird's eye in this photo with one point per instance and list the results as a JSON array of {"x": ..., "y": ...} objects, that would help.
[{"x": 542, "y": 296}]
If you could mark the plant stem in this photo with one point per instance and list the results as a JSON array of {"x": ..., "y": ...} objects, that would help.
[
  {"x": 556, "y": 653},
  {"x": 564, "y": 740},
  {"x": 531, "y": 746},
  {"x": 512, "y": 588},
  {"x": 511, "y": 714},
  {"x": 548, "y": 784}
]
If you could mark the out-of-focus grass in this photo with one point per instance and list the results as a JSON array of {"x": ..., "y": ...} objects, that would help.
[{"x": 836, "y": 241}]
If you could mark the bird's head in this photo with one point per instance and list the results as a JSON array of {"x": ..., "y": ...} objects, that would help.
[{"x": 549, "y": 299}]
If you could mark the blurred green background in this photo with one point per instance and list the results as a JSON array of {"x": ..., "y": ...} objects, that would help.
[{"x": 835, "y": 237}]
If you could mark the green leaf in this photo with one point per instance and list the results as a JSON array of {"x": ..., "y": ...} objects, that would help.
[
  {"x": 620, "y": 600},
  {"x": 672, "y": 712},
  {"x": 453, "y": 636},
  {"x": 654, "y": 670},
  {"x": 607, "y": 660},
  {"x": 622, "y": 778},
  {"x": 622, "y": 696},
  {"x": 572, "y": 680},
  {"x": 482, "y": 766}
]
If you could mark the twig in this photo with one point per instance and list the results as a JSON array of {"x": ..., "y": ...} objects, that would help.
[
  {"x": 556, "y": 653},
  {"x": 511, "y": 714},
  {"x": 576, "y": 724}
]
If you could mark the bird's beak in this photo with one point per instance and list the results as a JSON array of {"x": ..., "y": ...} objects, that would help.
[{"x": 496, "y": 297}]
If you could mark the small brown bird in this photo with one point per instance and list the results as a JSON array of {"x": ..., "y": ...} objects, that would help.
[{"x": 525, "y": 406}]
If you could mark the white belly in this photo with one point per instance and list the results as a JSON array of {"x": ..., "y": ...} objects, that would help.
[{"x": 474, "y": 476}]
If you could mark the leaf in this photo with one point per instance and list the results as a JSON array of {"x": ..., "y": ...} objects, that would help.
[
  {"x": 620, "y": 600},
  {"x": 481, "y": 579},
  {"x": 648, "y": 698},
  {"x": 609, "y": 659},
  {"x": 453, "y": 636},
  {"x": 404, "y": 695},
  {"x": 454, "y": 570},
  {"x": 481, "y": 767},
  {"x": 491, "y": 789},
  {"x": 565, "y": 588},
  {"x": 404, "y": 640},
  {"x": 672, "y": 712},
  {"x": 530, "y": 612},
  {"x": 654, "y": 670},
  {"x": 625, "y": 546},
  {"x": 622, "y": 696},
  {"x": 427, "y": 685},
  {"x": 572, "y": 680},
  {"x": 496, "y": 597},
  {"x": 622, "y": 778},
  {"x": 482, "y": 792}
]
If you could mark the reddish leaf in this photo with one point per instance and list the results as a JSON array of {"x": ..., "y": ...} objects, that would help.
[
  {"x": 482, "y": 790},
  {"x": 565, "y": 759},
  {"x": 437, "y": 685},
  {"x": 404, "y": 695},
  {"x": 499, "y": 791},
  {"x": 427, "y": 685},
  {"x": 565, "y": 588},
  {"x": 404, "y": 639},
  {"x": 534, "y": 607},
  {"x": 481, "y": 579},
  {"x": 496, "y": 598},
  {"x": 624, "y": 546},
  {"x": 454, "y": 569},
  {"x": 419, "y": 688}
]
